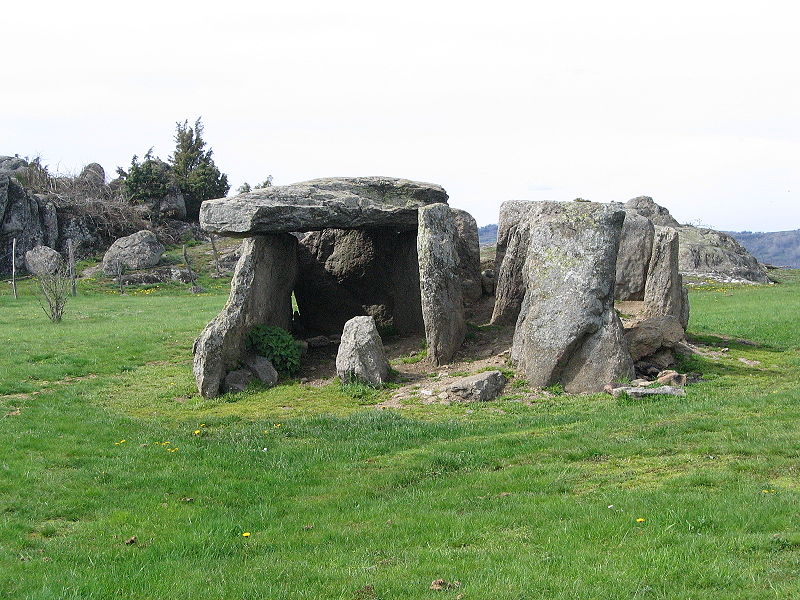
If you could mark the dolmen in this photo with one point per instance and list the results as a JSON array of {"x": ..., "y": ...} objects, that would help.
[{"x": 382, "y": 247}]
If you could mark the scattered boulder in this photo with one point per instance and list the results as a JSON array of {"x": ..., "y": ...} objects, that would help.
[
  {"x": 138, "y": 251},
  {"x": 173, "y": 205},
  {"x": 481, "y": 387},
  {"x": 361, "y": 356},
  {"x": 261, "y": 367},
  {"x": 261, "y": 294},
  {"x": 672, "y": 378},
  {"x": 469, "y": 255},
  {"x": 568, "y": 331},
  {"x": 237, "y": 381},
  {"x": 440, "y": 287},
  {"x": 155, "y": 276},
  {"x": 332, "y": 203},
  {"x": 650, "y": 335},
  {"x": 633, "y": 256},
  {"x": 43, "y": 261}
]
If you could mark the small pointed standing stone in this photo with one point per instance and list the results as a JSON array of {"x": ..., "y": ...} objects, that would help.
[{"x": 361, "y": 356}]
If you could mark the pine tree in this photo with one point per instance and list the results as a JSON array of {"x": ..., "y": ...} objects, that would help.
[{"x": 194, "y": 170}]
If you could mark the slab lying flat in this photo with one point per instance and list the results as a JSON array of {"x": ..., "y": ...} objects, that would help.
[{"x": 331, "y": 203}]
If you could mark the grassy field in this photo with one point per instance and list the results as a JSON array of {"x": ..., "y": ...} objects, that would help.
[{"x": 117, "y": 481}]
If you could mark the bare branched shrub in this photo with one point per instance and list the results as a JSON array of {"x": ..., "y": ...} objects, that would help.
[{"x": 54, "y": 288}]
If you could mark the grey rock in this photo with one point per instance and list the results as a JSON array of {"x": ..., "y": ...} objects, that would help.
[
  {"x": 262, "y": 368},
  {"x": 469, "y": 255},
  {"x": 346, "y": 273},
  {"x": 481, "y": 387},
  {"x": 160, "y": 275},
  {"x": 20, "y": 219},
  {"x": 663, "y": 294},
  {"x": 43, "y": 261},
  {"x": 567, "y": 331},
  {"x": 13, "y": 166},
  {"x": 237, "y": 381},
  {"x": 652, "y": 334},
  {"x": 645, "y": 206},
  {"x": 440, "y": 287},
  {"x": 173, "y": 205},
  {"x": 487, "y": 282},
  {"x": 633, "y": 256},
  {"x": 261, "y": 294},
  {"x": 93, "y": 174},
  {"x": 361, "y": 356},
  {"x": 138, "y": 251},
  {"x": 333, "y": 203}
]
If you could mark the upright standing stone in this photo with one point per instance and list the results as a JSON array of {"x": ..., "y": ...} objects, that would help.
[
  {"x": 513, "y": 234},
  {"x": 663, "y": 294},
  {"x": 440, "y": 287},
  {"x": 468, "y": 248},
  {"x": 633, "y": 257},
  {"x": 567, "y": 331},
  {"x": 261, "y": 294}
]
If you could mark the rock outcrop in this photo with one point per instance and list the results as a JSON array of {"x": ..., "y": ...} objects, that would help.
[
  {"x": 441, "y": 290},
  {"x": 138, "y": 251},
  {"x": 333, "y": 203},
  {"x": 261, "y": 294},
  {"x": 43, "y": 261},
  {"x": 567, "y": 330},
  {"x": 361, "y": 357}
]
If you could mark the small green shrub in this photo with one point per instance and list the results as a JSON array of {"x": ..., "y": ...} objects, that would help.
[{"x": 278, "y": 346}]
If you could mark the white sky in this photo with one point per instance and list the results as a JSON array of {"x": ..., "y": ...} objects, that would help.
[{"x": 696, "y": 103}]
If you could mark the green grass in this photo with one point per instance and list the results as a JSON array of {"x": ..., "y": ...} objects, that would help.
[{"x": 513, "y": 500}]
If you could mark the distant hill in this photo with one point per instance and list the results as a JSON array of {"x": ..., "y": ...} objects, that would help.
[
  {"x": 487, "y": 235},
  {"x": 780, "y": 248}
]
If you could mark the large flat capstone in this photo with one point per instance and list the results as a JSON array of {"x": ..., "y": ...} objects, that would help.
[{"x": 331, "y": 203}]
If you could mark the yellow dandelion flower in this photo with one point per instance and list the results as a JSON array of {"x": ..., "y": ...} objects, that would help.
[
  {"x": 202, "y": 424},
  {"x": 640, "y": 520},
  {"x": 246, "y": 534},
  {"x": 120, "y": 442},
  {"x": 278, "y": 425},
  {"x": 197, "y": 431}
]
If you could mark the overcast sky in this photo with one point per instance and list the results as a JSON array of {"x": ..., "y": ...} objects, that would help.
[{"x": 696, "y": 104}]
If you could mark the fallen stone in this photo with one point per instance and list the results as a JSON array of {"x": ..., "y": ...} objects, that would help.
[
  {"x": 361, "y": 356},
  {"x": 440, "y": 288},
  {"x": 332, "y": 203},
  {"x": 319, "y": 341},
  {"x": 639, "y": 392},
  {"x": 138, "y": 251},
  {"x": 481, "y": 387},
  {"x": 43, "y": 261},
  {"x": 262, "y": 368},
  {"x": 650, "y": 335},
  {"x": 237, "y": 381},
  {"x": 568, "y": 331}
]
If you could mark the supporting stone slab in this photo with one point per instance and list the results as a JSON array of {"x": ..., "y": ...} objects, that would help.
[
  {"x": 567, "y": 331},
  {"x": 664, "y": 293},
  {"x": 261, "y": 294},
  {"x": 440, "y": 285},
  {"x": 633, "y": 256}
]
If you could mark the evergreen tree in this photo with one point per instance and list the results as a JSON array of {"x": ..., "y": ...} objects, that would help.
[{"x": 194, "y": 170}]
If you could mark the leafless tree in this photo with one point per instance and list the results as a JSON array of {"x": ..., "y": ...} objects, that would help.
[{"x": 55, "y": 288}]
